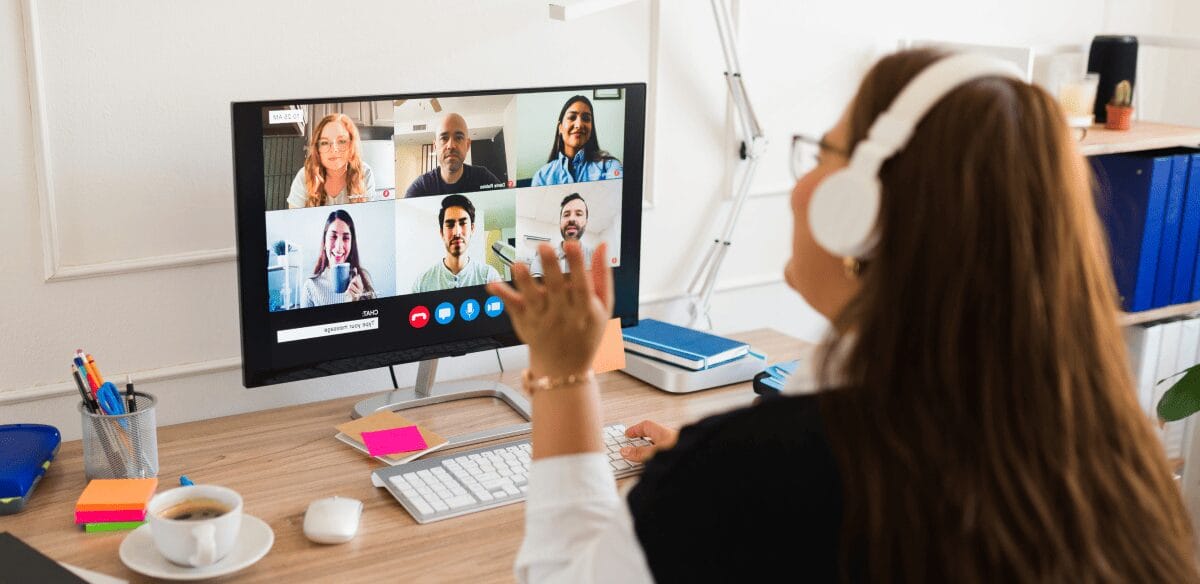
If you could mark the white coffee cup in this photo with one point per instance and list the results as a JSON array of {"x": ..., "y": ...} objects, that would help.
[{"x": 195, "y": 539}]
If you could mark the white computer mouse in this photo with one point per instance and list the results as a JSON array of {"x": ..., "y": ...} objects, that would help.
[{"x": 332, "y": 519}]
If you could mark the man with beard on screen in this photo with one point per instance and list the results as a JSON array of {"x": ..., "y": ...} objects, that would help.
[
  {"x": 572, "y": 222},
  {"x": 456, "y": 269}
]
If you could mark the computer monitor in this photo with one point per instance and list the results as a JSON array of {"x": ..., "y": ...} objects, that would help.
[{"x": 367, "y": 226}]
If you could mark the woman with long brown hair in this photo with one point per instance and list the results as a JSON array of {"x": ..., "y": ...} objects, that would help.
[
  {"x": 977, "y": 420},
  {"x": 334, "y": 172}
]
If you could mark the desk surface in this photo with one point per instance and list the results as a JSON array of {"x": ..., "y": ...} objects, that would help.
[{"x": 282, "y": 459}]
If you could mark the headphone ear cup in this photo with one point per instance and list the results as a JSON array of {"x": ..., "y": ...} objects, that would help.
[{"x": 843, "y": 211}]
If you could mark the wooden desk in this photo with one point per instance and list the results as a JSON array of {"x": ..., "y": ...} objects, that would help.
[{"x": 280, "y": 460}]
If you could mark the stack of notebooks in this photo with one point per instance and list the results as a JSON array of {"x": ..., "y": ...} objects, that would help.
[
  {"x": 389, "y": 437},
  {"x": 685, "y": 347},
  {"x": 678, "y": 359},
  {"x": 114, "y": 504}
]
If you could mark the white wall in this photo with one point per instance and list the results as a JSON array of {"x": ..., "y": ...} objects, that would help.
[{"x": 132, "y": 119}]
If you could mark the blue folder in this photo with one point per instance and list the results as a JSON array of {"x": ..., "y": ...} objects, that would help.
[
  {"x": 1189, "y": 237},
  {"x": 1168, "y": 251},
  {"x": 1131, "y": 200}
]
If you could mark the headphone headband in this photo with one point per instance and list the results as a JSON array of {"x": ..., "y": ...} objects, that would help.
[{"x": 845, "y": 207}]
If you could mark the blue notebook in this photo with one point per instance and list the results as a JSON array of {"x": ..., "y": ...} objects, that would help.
[
  {"x": 1168, "y": 250},
  {"x": 1189, "y": 237},
  {"x": 681, "y": 346},
  {"x": 1131, "y": 201}
]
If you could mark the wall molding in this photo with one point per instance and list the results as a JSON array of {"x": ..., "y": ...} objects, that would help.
[
  {"x": 52, "y": 266},
  {"x": 39, "y": 392}
]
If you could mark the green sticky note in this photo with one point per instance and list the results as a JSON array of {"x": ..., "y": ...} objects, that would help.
[{"x": 111, "y": 526}]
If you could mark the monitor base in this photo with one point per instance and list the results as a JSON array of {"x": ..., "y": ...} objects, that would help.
[{"x": 427, "y": 393}]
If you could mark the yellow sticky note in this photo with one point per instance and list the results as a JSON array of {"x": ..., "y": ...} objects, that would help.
[{"x": 611, "y": 354}]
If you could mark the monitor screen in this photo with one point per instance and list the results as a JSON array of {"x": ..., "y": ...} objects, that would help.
[{"x": 368, "y": 226}]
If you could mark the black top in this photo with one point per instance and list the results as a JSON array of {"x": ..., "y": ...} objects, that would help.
[
  {"x": 431, "y": 183},
  {"x": 753, "y": 495}
]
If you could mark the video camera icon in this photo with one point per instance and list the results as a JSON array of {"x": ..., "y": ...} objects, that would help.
[
  {"x": 493, "y": 306},
  {"x": 469, "y": 310},
  {"x": 444, "y": 313}
]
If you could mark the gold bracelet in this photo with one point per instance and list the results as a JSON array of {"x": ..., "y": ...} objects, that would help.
[{"x": 535, "y": 384}]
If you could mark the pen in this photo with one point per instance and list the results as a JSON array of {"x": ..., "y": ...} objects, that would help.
[
  {"x": 88, "y": 381},
  {"x": 184, "y": 481},
  {"x": 129, "y": 396},
  {"x": 87, "y": 400},
  {"x": 95, "y": 371}
]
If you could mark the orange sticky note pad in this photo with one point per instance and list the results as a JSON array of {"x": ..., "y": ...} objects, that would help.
[
  {"x": 116, "y": 494},
  {"x": 611, "y": 354}
]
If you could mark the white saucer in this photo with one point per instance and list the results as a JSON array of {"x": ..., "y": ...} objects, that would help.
[{"x": 255, "y": 539}]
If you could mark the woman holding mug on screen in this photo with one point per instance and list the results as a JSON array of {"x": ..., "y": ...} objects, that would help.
[
  {"x": 576, "y": 155},
  {"x": 338, "y": 276},
  {"x": 333, "y": 173}
]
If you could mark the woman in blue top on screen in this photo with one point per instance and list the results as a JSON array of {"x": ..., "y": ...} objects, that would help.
[
  {"x": 576, "y": 155},
  {"x": 333, "y": 173},
  {"x": 337, "y": 267}
]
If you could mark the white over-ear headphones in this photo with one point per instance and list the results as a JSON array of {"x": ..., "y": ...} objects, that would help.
[{"x": 845, "y": 206}]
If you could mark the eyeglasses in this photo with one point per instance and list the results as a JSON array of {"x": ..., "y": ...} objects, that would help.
[
  {"x": 806, "y": 153},
  {"x": 341, "y": 143}
]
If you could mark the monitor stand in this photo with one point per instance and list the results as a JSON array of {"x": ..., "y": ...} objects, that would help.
[{"x": 427, "y": 393}]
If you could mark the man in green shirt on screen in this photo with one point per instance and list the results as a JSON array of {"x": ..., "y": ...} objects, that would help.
[{"x": 456, "y": 269}]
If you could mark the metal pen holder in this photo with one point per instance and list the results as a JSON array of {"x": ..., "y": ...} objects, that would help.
[{"x": 123, "y": 445}]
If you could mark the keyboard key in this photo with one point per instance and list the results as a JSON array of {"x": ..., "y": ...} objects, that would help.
[
  {"x": 421, "y": 505},
  {"x": 439, "y": 506},
  {"x": 460, "y": 501}
]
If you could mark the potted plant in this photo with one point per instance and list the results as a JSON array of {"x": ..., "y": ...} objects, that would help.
[{"x": 1120, "y": 107}]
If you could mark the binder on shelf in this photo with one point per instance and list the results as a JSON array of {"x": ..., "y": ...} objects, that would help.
[
  {"x": 1168, "y": 250},
  {"x": 1131, "y": 200},
  {"x": 681, "y": 346},
  {"x": 1187, "y": 287}
]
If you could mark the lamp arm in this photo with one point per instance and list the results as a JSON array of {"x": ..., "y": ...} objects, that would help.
[{"x": 754, "y": 143}]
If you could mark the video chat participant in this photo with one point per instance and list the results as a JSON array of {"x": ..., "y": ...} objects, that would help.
[
  {"x": 572, "y": 222},
  {"x": 453, "y": 174},
  {"x": 576, "y": 155},
  {"x": 333, "y": 173},
  {"x": 456, "y": 269},
  {"x": 977, "y": 422},
  {"x": 339, "y": 245}
]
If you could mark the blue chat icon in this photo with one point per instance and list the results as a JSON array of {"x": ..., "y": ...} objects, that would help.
[
  {"x": 444, "y": 313},
  {"x": 469, "y": 310},
  {"x": 493, "y": 306}
]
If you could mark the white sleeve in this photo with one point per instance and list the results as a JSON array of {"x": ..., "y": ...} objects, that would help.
[
  {"x": 577, "y": 529},
  {"x": 298, "y": 195},
  {"x": 369, "y": 182}
]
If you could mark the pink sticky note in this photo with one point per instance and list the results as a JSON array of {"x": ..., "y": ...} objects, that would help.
[{"x": 384, "y": 442}]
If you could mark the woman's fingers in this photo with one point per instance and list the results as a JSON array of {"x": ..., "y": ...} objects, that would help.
[
  {"x": 531, "y": 293},
  {"x": 512, "y": 299},
  {"x": 581, "y": 282},
  {"x": 602, "y": 280},
  {"x": 657, "y": 433},
  {"x": 638, "y": 453},
  {"x": 552, "y": 276}
]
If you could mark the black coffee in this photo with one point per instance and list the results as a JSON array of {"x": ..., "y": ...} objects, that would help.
[{"x": 195, "y": 510}]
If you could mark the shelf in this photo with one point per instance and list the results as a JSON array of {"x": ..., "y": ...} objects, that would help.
[
  {"x": 1145, "y": 316},
  {"x": 1143, "y": 136}
]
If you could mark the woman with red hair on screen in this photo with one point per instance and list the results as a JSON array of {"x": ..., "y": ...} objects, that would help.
[{"x": 333, "y": 173}]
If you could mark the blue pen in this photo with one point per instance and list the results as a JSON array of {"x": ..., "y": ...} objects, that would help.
[{"x": 184, "y": 481}]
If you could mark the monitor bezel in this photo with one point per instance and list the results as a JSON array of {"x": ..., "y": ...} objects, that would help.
[{"x": 250, "y": 209}]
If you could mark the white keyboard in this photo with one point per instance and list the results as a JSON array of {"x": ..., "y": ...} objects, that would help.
[{"x": 455, "y": 484}]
